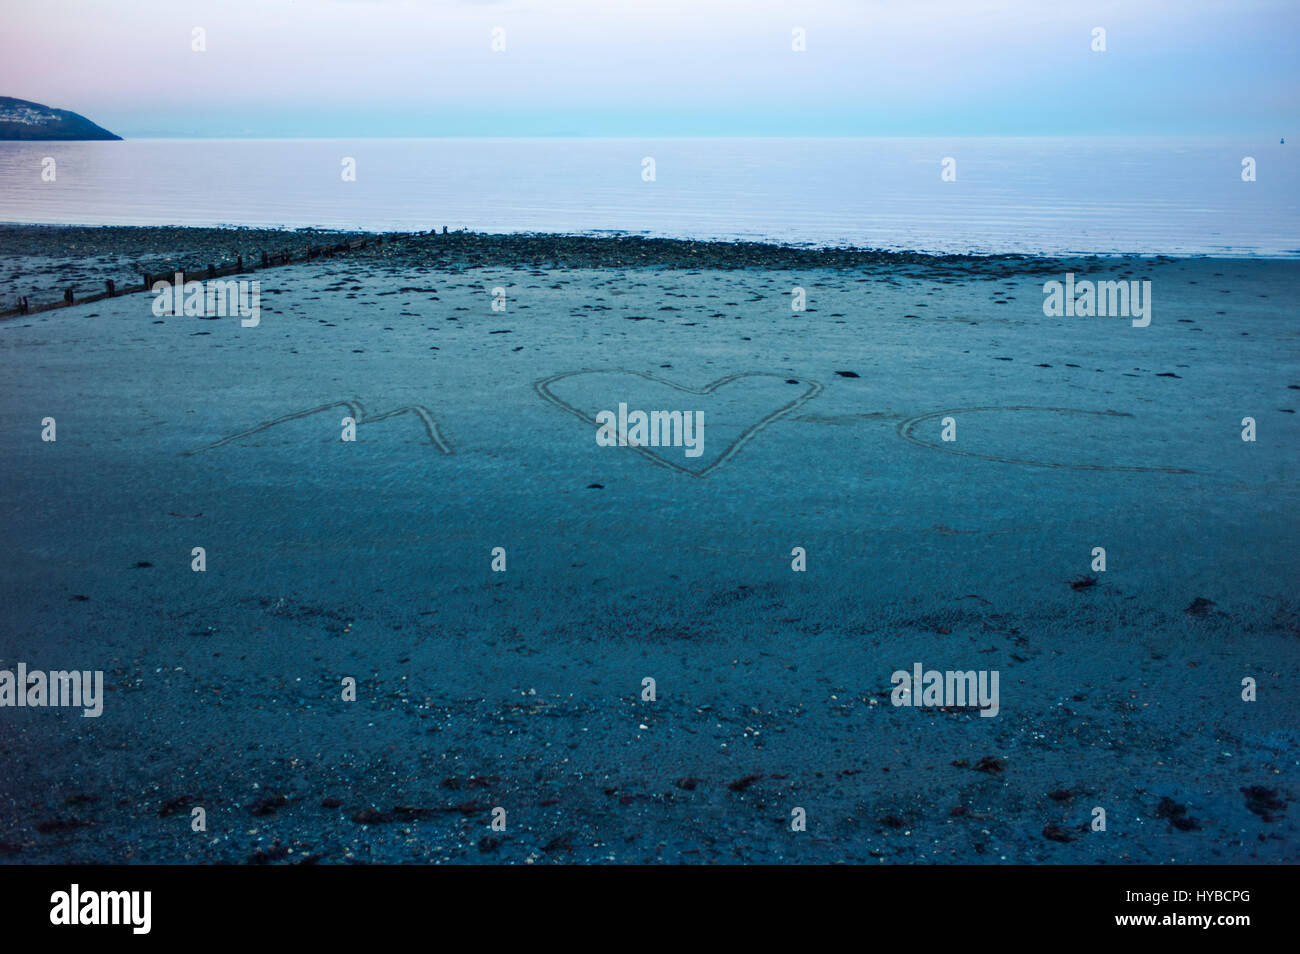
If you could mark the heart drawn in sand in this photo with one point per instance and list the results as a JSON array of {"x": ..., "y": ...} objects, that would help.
[{"x": 604, "y": 390}]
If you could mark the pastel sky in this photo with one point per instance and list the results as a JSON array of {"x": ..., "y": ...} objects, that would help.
[{"x": 343, "y": 68}]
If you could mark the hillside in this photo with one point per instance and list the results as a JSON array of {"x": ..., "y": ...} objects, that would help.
[{"x": 23, "y": 120}]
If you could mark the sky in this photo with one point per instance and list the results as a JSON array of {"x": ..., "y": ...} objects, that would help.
[{"x": 379, "y": 68}]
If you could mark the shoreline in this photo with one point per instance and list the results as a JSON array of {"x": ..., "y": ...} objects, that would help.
[
  {"x": 40, "y": 262},
  {"x": 833, "y": 252}
]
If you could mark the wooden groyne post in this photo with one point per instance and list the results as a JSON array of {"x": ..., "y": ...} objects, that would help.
[{"x": 214, "y": 270}]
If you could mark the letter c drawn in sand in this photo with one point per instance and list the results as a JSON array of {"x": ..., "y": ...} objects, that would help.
[{"x": 907, "y": 431}]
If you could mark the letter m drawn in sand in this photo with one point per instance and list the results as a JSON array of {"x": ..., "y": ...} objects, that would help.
[{"x": 357, "y": 411}]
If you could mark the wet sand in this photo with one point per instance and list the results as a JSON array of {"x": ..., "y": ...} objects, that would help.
[{"x": 522, "y": 689}]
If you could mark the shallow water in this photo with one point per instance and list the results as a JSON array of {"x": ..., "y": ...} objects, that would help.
[{"x": 1010, "y": 195}]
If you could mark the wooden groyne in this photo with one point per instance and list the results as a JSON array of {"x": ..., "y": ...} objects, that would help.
[{"x": 238, "y": 267}]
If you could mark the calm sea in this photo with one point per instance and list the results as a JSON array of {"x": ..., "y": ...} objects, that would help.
[{"x": 1009, "y": 195}]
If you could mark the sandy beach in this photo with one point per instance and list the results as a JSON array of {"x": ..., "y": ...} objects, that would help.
[{"x": 476, "y": 689}]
